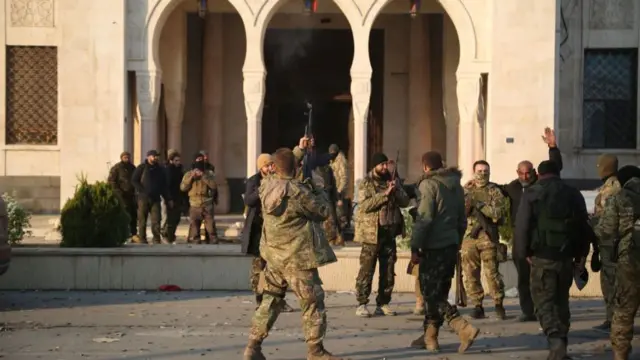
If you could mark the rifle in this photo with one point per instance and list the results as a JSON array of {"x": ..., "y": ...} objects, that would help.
[
  {"x": 484, "y": 224},
  {"x": 461, "y": 293},
  {"x": 307, "y": 159}
]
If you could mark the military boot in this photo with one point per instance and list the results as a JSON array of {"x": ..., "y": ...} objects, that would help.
[
  {"x": 478, "y": 312},
  {"x": 557, "y": 349},
  {"x": 253, "y": 351},
  {"x": 620, "y": 355},
  {"x": 318, "y": 352},
  {"x": 500, "y": 312},
  {"x": 466, "y": 333}
]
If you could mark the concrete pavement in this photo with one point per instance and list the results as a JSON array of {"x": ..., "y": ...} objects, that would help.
[{"x": 214, "y": 325}]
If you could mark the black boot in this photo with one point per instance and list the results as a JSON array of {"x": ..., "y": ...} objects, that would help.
[{"x": 478, "y": 312}]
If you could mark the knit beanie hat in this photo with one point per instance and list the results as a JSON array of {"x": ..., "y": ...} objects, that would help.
[
  {"x": 607, "y": 165},
  {"x": 263, "y": 160},
  {"x": 377, "y": 159}
]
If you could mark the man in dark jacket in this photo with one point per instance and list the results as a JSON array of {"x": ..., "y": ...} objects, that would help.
[
  {"x": 150, "y": 182},
  {"x": 526, "y": 177},
  {"x": 175, "y": 174},
  {"x": 553, "y": 234},
  {"x": 435, "y": 240},
  {"x": 120, "y": 180},
  {"x": 252, "y": 230}
]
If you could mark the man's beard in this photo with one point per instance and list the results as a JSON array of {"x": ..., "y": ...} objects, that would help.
[
  {"x": 383, "y": 175},
  {"x": 526, "y": 183}
]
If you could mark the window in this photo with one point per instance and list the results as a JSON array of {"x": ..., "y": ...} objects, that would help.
[
  {"x": 609, "y": 108},
  {"x": 32, "y": 95}
]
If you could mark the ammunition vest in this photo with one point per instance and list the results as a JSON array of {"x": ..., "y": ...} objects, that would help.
[{"x": 555, "y": 219}]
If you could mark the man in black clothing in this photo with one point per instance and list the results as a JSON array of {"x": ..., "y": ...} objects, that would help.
[
  {"x": 150, "y": 182},
  {"x": 553, "y": 235},
  {"x": 526, "y": 177},
  {"x": 174, "y": 177}
]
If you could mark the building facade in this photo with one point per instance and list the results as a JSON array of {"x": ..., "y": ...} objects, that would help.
[{"x": 475, "y": 79}]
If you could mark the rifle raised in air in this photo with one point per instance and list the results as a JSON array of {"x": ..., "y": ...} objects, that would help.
[{"x": 307, "y": 166}]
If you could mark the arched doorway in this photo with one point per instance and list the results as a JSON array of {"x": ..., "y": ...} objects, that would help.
[
  {"x": 307, "y": 56},
  {"x": 200, "y": 54}
]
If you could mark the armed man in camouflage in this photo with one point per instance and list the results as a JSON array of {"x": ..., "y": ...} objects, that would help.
[
  {"x": 435, "y": 240},
  {"x": 120, "y": 180},
  {"x": 607, "y": 170},
  {"x": 293, "y": 249},
  {"x": 378, "y": 222},
  {"x": 199, "y": 183},
  {"x": 339, "y": 167},
  {"x": 552, "y": 228},
  {"x": 618, "y": 224},
  {"x": 479, "y": 250}
]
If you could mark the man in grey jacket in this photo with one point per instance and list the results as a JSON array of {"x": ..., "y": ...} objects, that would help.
[{"x": 435, "y": 242}]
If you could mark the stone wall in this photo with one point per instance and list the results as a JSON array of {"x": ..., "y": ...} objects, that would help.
[{"x": 38, "y": 194}]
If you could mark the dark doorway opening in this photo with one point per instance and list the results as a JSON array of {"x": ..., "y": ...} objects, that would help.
[{"x": 307, "y": 65}]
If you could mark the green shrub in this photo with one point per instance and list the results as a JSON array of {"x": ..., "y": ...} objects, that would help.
[
  {"x": 19, "y": 219},
  {"x": 94, "y": 217}
]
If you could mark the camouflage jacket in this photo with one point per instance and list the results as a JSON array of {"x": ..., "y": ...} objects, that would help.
[
  {"x": 489, "y": 200},
  {"x": 619, "y": 215},
  {"x": 371, "y": 201},
  {"x": 120, "y": 178},
  {"x": 292, "y": 236},
  {"x": 610, "y": 187},
  {"x": 201, "y": 191},
  {"x": 339, "y": 167}
]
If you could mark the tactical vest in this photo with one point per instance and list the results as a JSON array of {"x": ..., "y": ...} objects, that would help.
[{"x": 555, "y": 219}]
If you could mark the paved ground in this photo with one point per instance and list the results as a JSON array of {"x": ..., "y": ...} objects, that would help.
[{"x": 213, "y": 325}]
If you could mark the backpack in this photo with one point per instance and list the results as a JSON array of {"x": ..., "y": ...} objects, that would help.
[{"x": 556, "y": 218}]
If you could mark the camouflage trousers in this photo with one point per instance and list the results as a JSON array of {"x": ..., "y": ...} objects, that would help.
[
  {"x": 625, "y": 302},
  {"x": 257, "y": 266},
  {"x": 370, "y": 254},
  {"x": 550, "y": 284},
  {"x": 481, "y": 254},
  {"x": 307, "y": 287},
  {"x": 607, "y": 278},
  {"x": 130, "y": 204},
  {"x": 146, "y": 207},
  {"x": 437, "y": 268}
]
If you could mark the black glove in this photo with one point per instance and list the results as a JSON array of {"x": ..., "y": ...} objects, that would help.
[{"x": 596, "y": 265}]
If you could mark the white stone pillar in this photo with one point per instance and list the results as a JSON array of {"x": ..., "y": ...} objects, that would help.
[
  {"x": 361, "y": 97},
  {"x": 148, "y": 88},
  {"x": 212, "y": 99},
  {"x": 468, "y": 91},
  {"x": 254, "y": 89}
]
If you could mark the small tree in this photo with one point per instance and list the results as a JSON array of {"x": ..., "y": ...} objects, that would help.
[
  {"x": 19, "y": 219},
  {"x": 94, "y": 217}
]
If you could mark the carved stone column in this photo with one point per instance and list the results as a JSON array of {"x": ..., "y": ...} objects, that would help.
[
  {"x": 254, "y": 89},
  {"x": 212, "y": 100},
  {"x": 361, "y": 95},
  {"x": 173, "y": 61},
  {"x": 468, "y": 91},
  {"x": 148, "y": 88}
]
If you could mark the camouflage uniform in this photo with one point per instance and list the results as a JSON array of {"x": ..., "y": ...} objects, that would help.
[
  {"x": 482, "y": 252},
  {"x": 201, "y": 193},
  {"x": 339, "y": 167},
  {"x": 605, "y": 246},
  {"x": 120, "y": 181},
  {"x": 616, "y": 221},
  {"x": 293, "y": 246},
  {"x": 378, "y": 241}
]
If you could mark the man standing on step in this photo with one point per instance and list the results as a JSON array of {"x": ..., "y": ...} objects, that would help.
[
  {"x": 252, "y": 231},
  {"x": 293, "y": 251},
  {"x": 435, "y": 240},
  {"x": 200, "y": 185},
  {"x": 174, "y": 178},
  {"x": 150, "y": 181},
  {"x": 378, "y": 222},
  {"x": 120, "y": 177}
]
